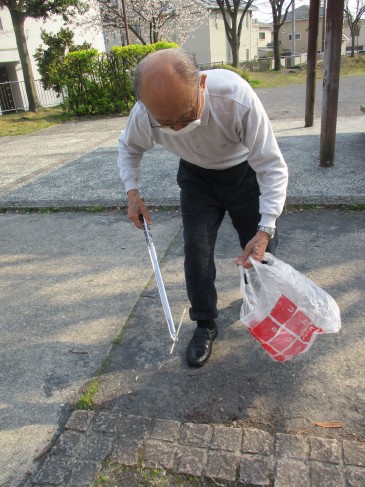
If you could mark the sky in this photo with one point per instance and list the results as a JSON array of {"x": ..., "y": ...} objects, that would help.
[{"x": 264, "y": 8}]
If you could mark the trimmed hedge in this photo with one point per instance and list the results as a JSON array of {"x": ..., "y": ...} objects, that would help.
[{"x": 95, "y": 83}]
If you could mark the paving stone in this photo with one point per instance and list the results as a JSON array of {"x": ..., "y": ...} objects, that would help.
[
  {"x": 291, "y": 446},
  {"x": 84, "y": 473},
  {"x": 225, "y": 438},
  {"x": 354, "y": 453},
  {"x": 190, "y": 461},
  {"x": 53, "y": 471},
  {"x": 255, "y": 469},
  {"x": 95, "y": 446},
  {"x": 195, "y": 435},
  {"x": 79, "y": 420},
  {"x": 135, "y": 428},
  {"x": 166, "y": 430},
  {"x": 106, "y": 422},
  {"x": 354, "y": 477},
  {"x": 67, "y": 444},
  {"x": 257, "y": 441},
  {"x": 327, "y": 476},
  {"x": 292, "y": 473},
  {"x": 222, "y": 465},
  {"x": 126, "y": 452},
  {"x": 159, "y": 455},
  {"x": 324, "y": 450}
]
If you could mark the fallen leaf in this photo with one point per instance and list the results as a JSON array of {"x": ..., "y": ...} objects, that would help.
[{"x": 329, "y": 424}]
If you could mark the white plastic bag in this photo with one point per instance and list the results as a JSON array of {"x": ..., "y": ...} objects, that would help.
[{"x": 283, "y": 309}]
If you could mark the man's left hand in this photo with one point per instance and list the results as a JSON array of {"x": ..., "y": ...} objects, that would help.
[{"x": 255, "y": 248}]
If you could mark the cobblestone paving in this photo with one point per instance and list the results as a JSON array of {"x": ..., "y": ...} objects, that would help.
[{"x": 250, "y": 456}]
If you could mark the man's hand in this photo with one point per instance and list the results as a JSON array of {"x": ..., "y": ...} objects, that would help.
[
  {"x": 136, "y": 208},
  {"x": 255, "y": 248}
]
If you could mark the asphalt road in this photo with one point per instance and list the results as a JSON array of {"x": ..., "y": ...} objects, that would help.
[{"x": 285, "y": 102}]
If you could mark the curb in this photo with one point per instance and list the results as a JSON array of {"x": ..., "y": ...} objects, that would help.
[
  {"x": 173, "y": 205},
  {"x": 230, "y": 454}
]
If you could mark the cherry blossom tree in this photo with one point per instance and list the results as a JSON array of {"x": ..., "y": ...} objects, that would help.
[{"x": 154, "y": 20}]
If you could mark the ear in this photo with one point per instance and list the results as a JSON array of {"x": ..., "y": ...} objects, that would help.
[{"x": 203, "y": 81}]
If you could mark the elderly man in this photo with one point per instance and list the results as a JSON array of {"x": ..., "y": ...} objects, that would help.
[{"x": 229, "y": 162}]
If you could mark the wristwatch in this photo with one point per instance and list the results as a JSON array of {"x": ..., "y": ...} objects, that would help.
[{"x": 269, "y": 230}]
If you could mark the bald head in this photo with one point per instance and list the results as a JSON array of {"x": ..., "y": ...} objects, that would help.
[
  {"x": 168, "y": 83},
  {"x": 160, "y": 70}
]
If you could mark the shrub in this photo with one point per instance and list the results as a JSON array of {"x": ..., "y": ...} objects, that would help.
[{"x": 97, "y": 83}]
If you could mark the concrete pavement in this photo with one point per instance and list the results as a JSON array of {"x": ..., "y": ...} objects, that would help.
[
  {"x": 54, "y": 179},
  {"x": 71, "y": 281}
]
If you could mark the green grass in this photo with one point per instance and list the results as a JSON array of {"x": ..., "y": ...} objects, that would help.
[
  {"x": 271, "y": 79},
  {"x": 23, "y": 123},
  {"x": 86, "y": 401}
]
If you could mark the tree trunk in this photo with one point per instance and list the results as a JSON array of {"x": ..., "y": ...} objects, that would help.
[
  {"x": 18, "y": 24},
  {"x": 277, "y": 61},
  {"x": 352, "y": 43},
  {"x": 235, "y": 48},
  {"x": 235, "y": 43},
  {"x": 314, "y": 7}
]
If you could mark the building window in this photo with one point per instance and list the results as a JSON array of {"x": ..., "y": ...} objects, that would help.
[
  {"x": 216, "y": 21},
  {"x": 247, "y": 21},
  {"x": 247, "y": 54},
  {"x": 297, "y": 37},
  {"x": 1, "y": 25},
  {"x": 262, "y": 36}
]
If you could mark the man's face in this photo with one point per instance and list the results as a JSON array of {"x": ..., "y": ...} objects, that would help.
[{"x": 173, "y": 105}]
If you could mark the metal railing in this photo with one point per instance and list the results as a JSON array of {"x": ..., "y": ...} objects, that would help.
[
  {"x": 13, "y": 96},
  {"x": 261, "y": 64}
]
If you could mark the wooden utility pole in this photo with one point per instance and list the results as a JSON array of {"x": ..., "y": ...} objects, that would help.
[
  {"x": 311, "y": 61},
  {"x": 324, "y": 18},
  {"x": 332, "y": 61},
  {"x": 125, "y": 22}
]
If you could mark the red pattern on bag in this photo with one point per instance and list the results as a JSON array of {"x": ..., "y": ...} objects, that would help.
[{"x": 287, "y": 331}]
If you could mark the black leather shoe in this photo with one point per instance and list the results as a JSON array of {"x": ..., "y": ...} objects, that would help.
[{"x": 200, "y": 346}]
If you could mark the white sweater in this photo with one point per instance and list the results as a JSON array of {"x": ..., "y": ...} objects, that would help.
[{"x": 234, "y": 128}]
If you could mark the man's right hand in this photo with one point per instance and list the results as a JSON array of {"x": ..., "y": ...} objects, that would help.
[{"x": 136, "y": 208}]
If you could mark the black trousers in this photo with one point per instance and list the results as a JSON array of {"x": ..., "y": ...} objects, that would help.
[{"x": 206, "y": 195}]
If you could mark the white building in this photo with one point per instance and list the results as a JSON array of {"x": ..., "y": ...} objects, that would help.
[
  {"x": 210, "y": 45},
  {"x": 12, "y": 95},
  {"x": 359, "y": 37}
]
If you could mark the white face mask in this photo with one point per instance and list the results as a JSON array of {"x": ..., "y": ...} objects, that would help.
[{"x": 188, "y": 128}]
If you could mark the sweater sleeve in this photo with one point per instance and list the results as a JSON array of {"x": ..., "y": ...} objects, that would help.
[
  {"x": 133, "y": 142},
  {"x": 267, "y": 161}
]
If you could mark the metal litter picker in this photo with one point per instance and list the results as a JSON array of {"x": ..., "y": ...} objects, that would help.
[{"x": 160, "y": 284}]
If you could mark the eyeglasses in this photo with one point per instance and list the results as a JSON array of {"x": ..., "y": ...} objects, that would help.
[{"x": 180, "y": 122}]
